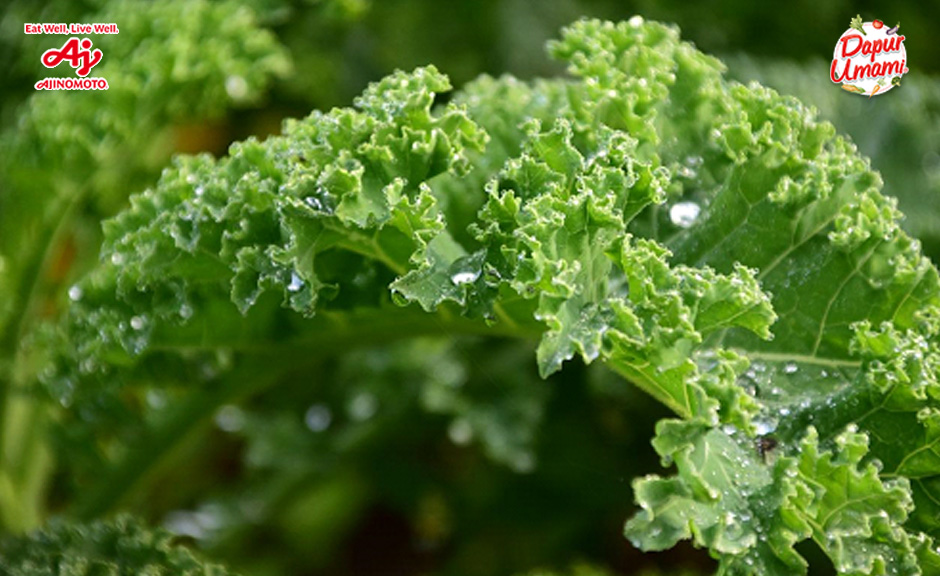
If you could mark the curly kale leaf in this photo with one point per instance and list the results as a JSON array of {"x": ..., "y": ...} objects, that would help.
[
  {"x": 781, "y": 195},
  {"x": 713, "y": 243}
]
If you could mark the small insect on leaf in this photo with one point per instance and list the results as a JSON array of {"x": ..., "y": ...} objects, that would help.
[{"x": 765, "y": 446}]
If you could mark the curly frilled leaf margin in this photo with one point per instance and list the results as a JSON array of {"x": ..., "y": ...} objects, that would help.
[{"x": 713, "y": 243}]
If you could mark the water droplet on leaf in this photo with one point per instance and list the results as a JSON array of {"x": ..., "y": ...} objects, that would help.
[
  {"x": 230, "y": 418},
  {"x": 460, "y": 432},
  {"x": 763, "y": 427},
  {"x": 464, "y": 277},
  {"x": 363, "y": 406},
  {"x": 314, "y": 203},
  {"x": 75, "y": 293},
  {"x": 684, "y": 214},
  {"x": 318, "y": 417},
  {"x": 236, "y": 87},
  {"x": 296, "y": 283}
]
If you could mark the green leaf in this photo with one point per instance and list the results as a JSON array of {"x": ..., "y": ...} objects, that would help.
[
  {"x": 122, "y": 547},
  {"x": 750, "y": 510},
  {"x": 778, "y": 193},
  {"x": 713, "y": 243},
  {"x": 725, "y": 497}
]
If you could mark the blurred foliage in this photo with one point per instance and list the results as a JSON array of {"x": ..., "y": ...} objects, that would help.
[
  {"x": 122, "y": 547},
  {"x": 55, "y": 192},
  {"x": 356, "y": 474},
  {"x": 414, "y": 456}
]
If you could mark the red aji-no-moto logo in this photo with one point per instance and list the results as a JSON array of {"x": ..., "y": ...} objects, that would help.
[{"x": 77, "y": 52}]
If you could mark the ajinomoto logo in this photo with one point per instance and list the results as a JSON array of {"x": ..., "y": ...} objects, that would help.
[
  {"x": 869, "y": 58},
  {"x": 78, "y": 52}
]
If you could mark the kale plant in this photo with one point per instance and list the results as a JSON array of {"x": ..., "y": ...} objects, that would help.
[{"x": 713, "y": 244}]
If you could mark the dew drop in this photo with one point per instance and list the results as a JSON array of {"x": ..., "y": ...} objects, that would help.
[
  {"x": 318, "y": 417},
  {"x": 363, "y": 406},
  {"x": 296, "y": 283},
  {"x": 76, "y": 293},
  {"x": 186, "y": 311},
  {"x": 636, "y": 21},
  {"x": 764, "y": 427},
  {"x": 117, "y": 258},
  {"x": 314, "y": 203},
  {"x": 790, "y": 368},
  {"x": 156, "y": 399},
  {"x": 137, "y": 323},
  {"x": 236, "y": 87},
  {"x": 460, "y": 432},
  {"x": 686, "y": 172},
  {"x": 464, "y": 277},
  {"x": 66, "y": 393},
  {"x": 684, "y": 214},
  {"x": 230, "y": 418},
  {"x": 199, "y": 524}
]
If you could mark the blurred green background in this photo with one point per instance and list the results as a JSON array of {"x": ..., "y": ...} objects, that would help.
[{"x": 414, "y": 459}]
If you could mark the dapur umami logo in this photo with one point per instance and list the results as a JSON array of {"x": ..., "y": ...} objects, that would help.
[
  {"x": 869, "y": 58},
  {"x": 78, "y": 52}
]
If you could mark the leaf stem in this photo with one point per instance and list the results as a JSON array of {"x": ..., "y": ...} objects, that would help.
[
  {"x": 803, "y": 359},
  {"x": 27, "y": 292},
  {"x": 642, "y": 380},
  {"x": 335, "y": 332}
]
